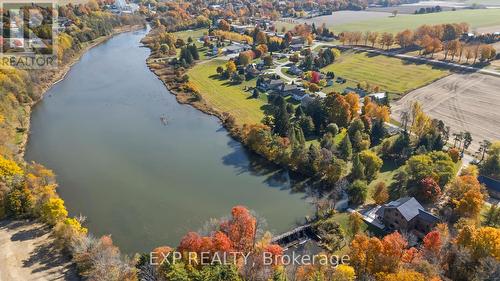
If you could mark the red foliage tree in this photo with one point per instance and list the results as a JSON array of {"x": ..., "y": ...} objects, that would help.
[
  {"x": 433, "y": 242},
  {"x": 240, "y": 229},
  {"x": 275, "y": 251},
  {"x": 191, "y": 242},
  {"x": 221, "y": 242},
  {"x": 315, "y": 77},
  {"x": 430, "y": 190}
]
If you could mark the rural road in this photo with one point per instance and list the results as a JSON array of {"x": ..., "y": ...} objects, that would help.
[{"x": 27, "y": 252}]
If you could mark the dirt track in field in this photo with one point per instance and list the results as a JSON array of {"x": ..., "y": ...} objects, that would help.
[{"x": 465, "y": 102}]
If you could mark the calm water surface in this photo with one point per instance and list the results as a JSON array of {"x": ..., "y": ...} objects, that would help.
[{"x": 145, "y": 183}]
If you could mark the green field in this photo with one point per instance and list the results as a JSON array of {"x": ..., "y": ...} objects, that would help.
[
  {"x": 391, "y": 74},
  {"x": 476, "y": 18},
  {"x": 194, "y": 34},
  {"x": 225, "y": 97}
]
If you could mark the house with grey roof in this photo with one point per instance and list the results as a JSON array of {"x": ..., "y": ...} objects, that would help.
[
  {"x": 290, "y": 89},
  {"x": 406, "y": 214}
]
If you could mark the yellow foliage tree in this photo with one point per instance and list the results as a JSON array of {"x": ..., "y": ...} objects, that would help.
[
  {"x": 231, "y": 66},
  {"x": 353, "y": 101},
  {"x": 344, "y": 273},
  {"x": 404, "y": 275},
  {"x": 54, "y": 211},
  {"x": 9, "y": 169},
  {"x": 482, "y": 242}
]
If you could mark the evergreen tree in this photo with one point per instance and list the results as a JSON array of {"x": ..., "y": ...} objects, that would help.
[
  {"x": 357, "y": 191},
  {"x": 299, "y": 135},
  {"x": 281, "y": 118},
  {"x": 358, "y": 169},
  {"x": 346, "y": 148},
  {"x": 186, "y": 56},
  {"x": 194, "y": 52},
  {"x": 314, "y": 157},
  {"x": 299, "y": 112},
  {"x": 378, "y": 132},
  {"x": 255, "y": 93}
]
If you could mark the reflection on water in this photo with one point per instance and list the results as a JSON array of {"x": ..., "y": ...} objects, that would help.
[{"x": 143, "y": 167}]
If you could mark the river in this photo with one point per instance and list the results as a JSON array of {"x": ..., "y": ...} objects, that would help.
[{"x": 145, "y": 182}]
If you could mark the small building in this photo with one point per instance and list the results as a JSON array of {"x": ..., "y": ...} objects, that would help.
[
  {"x": 296, "y": 47},
  {"x": 297, "y": 40},
  {"x": 290, "y": 89},
  {"x": 306, "y": 100},
  {"x": 377, "y": 96},
  {"x": 270, "y": 84},
  {"x": 241, "y": 28},
  {"x": 294, "y": 70},
  {"x": 299, "y": 96},
  {"x": 236, "y": 48},
  {"x": 252, "y": 71},
  {"x": 406, "y": 214},
  {"x": 361, "y": 93},
  {"x": 492, "y": 185}
]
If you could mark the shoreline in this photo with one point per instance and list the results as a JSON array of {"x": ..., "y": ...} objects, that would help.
[
  {"x": 186, "y": 98},
  {"x": 58, "y": 75}
]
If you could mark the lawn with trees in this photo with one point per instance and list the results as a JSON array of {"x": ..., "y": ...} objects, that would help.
[
  {"x": 391, "y": 74},
  {"x": 224, "y": 96}
]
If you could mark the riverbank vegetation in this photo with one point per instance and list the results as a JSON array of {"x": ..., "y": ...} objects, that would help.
[{"x": 28, "y": 190}]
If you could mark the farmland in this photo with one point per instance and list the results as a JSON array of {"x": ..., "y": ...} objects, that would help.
[
  {"x": 226, "y": 97},
  {"x": 465, "y": 102},
  {"x": 391, "y": 74},
  {"x": 476, "y": 18}
]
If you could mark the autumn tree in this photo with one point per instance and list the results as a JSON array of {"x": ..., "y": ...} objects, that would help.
[
  {"x": 231, "y": 67},
  {"x": 482, "y": 242},
  {"x": 372, "y": 164},
  {"x": 429, "y": 190},
  {"x": 224, "y": 25},
  {"x": 354, "y": 223},
  {"x": 245, "y": 58},
  {"x": 353, "y": 100},
  {"x": 466, "y": 196},
  {"x": 404, "y": 38},
  {"x": 337, "y": 109},
  {"x": 373, "y": 38},
  {"x": 380, "y": 193},
  {"x": 344, "y": 273},
  {"x": 491, "y": 165}
]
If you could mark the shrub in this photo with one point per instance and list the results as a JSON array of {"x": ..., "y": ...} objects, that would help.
[
  {"x": 454, "y": 154},
  {"x": 20, "y": 202},
  {"x": 53, "y": 211}
]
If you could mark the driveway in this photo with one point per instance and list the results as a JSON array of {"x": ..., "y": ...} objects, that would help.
[{"x": 27, "y": 252}]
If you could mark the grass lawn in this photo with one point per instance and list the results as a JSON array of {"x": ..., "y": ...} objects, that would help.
[
  {"x": 226, "y": 97},
  {"x": 391, "y": 74},
  {"x": 386, "y": 174},
  {"x": 194, "y": 34},
  {"x": 475, "y": 18}
]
